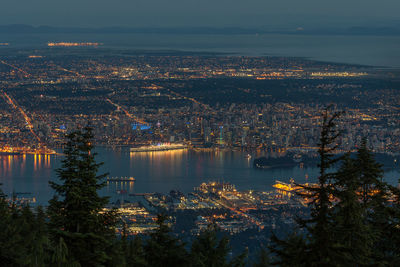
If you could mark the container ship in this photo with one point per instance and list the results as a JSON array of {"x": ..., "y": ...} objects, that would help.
[{"x": 158, "y": 147}]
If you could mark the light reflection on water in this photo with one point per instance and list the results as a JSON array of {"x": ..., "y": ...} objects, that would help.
[{"x": 153, "y": 171}]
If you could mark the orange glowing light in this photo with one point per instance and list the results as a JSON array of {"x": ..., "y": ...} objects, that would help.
[
  {"x": 126, "y": 112},
  {"x": 68, "y": 44}
]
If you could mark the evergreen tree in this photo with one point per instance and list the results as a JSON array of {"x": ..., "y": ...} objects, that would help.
[
  {"x": 208, "y": 250},
  {"x": 373, "y": 188},
  {"x": 11, "y": 251},
  {"x": 131, "y": 251},
  {"x": 60, "y": 256},
  {"x": 162, "y": 249},
  {"x": 76, "y": 211},
  {"x": 26, "y": 223},
  {"x": 318, "y": 248},
  {"x": 263, "y": 259},
  {"x": 23, "y": 235},
  {"x": 393, "y": 235},
  {"x": 354, "y": 237},
  {"x": 239, "y": 260},
  {"x": 41, "y": 251},
  {"x": 135, "y": 255},
  {"x": 290, "y": 251},
  {"x": 375, "y": 199}
]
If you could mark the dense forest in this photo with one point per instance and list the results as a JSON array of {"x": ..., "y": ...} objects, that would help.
[{"x": 354, "y": 220}]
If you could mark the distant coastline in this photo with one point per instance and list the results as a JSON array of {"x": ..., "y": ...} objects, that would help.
[
  {"x": 355, "y": 30},
  {"x": 383, "y": 51}
]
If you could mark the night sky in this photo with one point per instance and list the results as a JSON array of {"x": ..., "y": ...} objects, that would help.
[{"x": 215, "y": 13}]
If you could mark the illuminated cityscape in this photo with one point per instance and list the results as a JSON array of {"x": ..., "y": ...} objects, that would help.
[
  {"x": 232, "y": 210},
  {"x": 273, "y": 102},
  {"x": 192, "y": 134}
]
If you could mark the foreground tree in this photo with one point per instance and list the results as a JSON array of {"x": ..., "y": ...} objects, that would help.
[
  {"x": 135, "y": 253},
  {"x": 318, "y": 247},
  {"x": 76, "y": 211},
  {"x": 321, "y": 249},
  {"x": 354, "y": 236},
  {"x": 23, "y": 236},
  {"x": 209, "y": 250},
  {"x": 263, "y": 259},
  {"x": 374, "y": 192},
  {"x": 11, "y": 249},
  {"x": 364, "y": 223},
  {"x": 290, "y": 251},
  {"x": 392, "y": 243},
  {"x": 163, "y": 249},
  {"x": 373, "y": 189}
]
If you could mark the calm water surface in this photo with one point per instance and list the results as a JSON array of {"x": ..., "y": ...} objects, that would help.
[
  {"x": 364, "y": 50},
  {"x": 154, "y": 172}
]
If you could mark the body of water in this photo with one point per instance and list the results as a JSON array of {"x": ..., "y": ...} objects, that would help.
[
  {"x": 154, "y": 172},
  {"x": 365, "y": 50}
]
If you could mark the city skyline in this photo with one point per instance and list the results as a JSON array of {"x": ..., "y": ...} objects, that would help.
[{"x": 199, "y": 133}]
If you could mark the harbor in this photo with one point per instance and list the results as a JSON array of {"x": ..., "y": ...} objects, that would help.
[{"x": 154, "y": 172}]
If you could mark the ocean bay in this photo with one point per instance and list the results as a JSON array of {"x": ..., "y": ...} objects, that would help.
[{"x": 154, "y": 172}]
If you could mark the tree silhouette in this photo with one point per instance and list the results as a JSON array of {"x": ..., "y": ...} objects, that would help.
[{"x": 77, "y": 211}]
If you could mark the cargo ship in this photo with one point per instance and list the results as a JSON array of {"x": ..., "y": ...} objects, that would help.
[{"x": 158, "y": 147}]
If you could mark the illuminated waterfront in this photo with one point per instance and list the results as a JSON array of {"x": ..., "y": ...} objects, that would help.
[{"x": 154, "y": 172}]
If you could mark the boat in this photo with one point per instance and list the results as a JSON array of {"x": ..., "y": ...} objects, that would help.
[
  {"x": 121, "y": 179},
  {"x": 267, "y": 163},
  {"x": 248, "y": 156},
  {"x": 158, "y": 147},
  {"x": 297, "y": 158}
]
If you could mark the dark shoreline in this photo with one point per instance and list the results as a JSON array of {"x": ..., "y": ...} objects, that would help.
[{"x": 389, "y": 162}]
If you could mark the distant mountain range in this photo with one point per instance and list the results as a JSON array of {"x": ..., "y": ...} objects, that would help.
[{"x": 28, "y": 29}]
